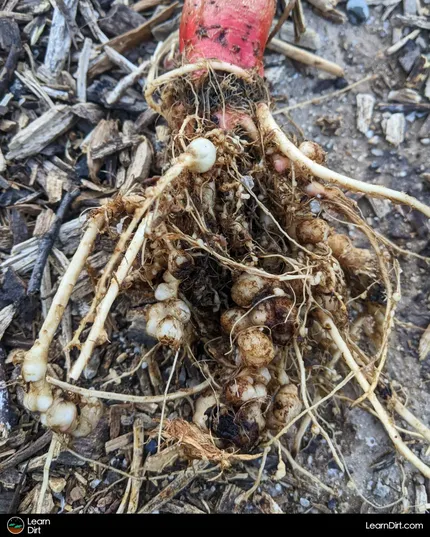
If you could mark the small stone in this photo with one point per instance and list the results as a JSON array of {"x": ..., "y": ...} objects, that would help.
[
  {"x": 425, "y": 141},
  {"x": 304, "y": 502},
  {"x": 357, "y": 11},
  {"x": 377, "y": 152},
  {"x": 381, "y": 490},
  {"x": 332, "y": 504}
]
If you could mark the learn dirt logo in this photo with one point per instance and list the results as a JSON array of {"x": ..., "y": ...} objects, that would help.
[{"x": 15, "y": 525}]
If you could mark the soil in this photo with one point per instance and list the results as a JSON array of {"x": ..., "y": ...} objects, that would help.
[{"x": 378, "y": 480}]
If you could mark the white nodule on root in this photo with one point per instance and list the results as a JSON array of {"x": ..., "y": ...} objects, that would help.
[
  {"x": 91, "y": 413},
  {"x": 165, "y": 291},
  {"x": 179, "y": 309},
  {"x": 204, "y": 153},
  {"x": 34, "y": 366},
  {"x": 39, "y": 397},
  {"x": 61, "y": 416},
  {"x": 170, "y": 331}
]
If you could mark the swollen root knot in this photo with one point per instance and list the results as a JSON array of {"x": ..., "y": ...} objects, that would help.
[{"x": 203, "y": 152}]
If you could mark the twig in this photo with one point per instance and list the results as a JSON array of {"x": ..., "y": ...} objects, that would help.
[
  {"x": 138, "y": 444},
  {"x": 318, "y": 100},
  {"x": 84, "y": 60},
  {"x": 4, "y": 398},
  {"x": 139, "y": 399},
  {"x": 303, "y": 56},
  {"x": 9, "y": 39},
  {"x": 286, "y": 13},
  {"x": 126, "y": 83},
  {"x": 163, "y": 408},
  {"x": 47, "y": 242},
  {"x": 52, "y": 448}
]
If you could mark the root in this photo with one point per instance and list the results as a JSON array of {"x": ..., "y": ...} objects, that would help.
[
  {"x": 306, "y": 403},
  {"x": 297, "y": 468},
  {"x": 303, "y": 162},
  {"x": 152, "y": 86},
  {"x": 143, "y": 400},
  {"x": 328, "y": 324},
  {"x": 97, "y": 334},
  {"x": 107, "y": 272},
  {"x": 51, "y": 452}
]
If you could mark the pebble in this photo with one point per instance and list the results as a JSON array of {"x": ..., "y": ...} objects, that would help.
[
  {"x": 377, "y": 152},
  {"x": 304, "y": 502},
  {"x": 357, "y": 11},
  {"x": 381, "y": 490},
  {"x": 425, "y": 141},
  {"x": 371, "y": 442}
]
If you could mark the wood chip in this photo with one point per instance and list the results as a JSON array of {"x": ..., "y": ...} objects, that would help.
[
  {"x": 42, "y": 131},
  {"x": 419, "y": 72},
  {"x": 410, "y": 7},
  {"x": 84, "y": 60},
  {"x": 124, "y": 441},
  {"x": 404, "y": 95},
  {"x": 91, "y": 17},
  {"x": 44, "y": 222},
  {"x": 175, "y": 487},
  {"x": 395, "y": 129},
  {"x": 60, "y": 39},
  {"x": 130, "y": 39},
  {"x": 140, "y": 165},
  {"x": 163, "y": 459},
  {"x": 410, "y": 20},
  {"x": 365, "y": 104},
  {"x": 6, "y": 316}
]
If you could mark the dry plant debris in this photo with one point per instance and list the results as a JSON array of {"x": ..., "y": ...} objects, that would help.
[{"x": 188, "y": 290}]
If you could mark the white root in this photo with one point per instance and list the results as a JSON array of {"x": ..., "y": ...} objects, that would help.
[
  {"x": 201, "y": 155},
  {"x": 36, "y": 359},
  {"x": 125, "y": 398},
  {"x": 407, "y": 415},
  {"x": 111, "y": 294},
  {"x": 386, "y": 421},
  {"x": 268, "y": 123},
  {"x": 102, "y": 283}
]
